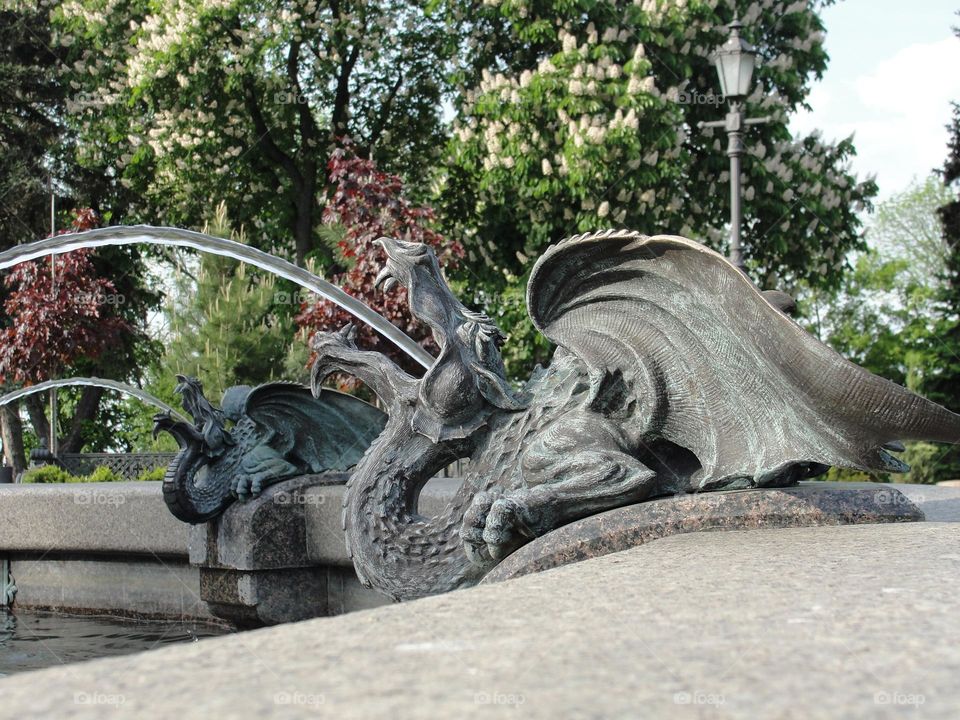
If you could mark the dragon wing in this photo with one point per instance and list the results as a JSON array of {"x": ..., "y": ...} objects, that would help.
[
  {"x": 330, "y": 432},
  {"x": 702, "y": 360}
]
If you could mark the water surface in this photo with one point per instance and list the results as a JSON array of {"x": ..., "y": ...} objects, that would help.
[{"x": 29, "y": 641}]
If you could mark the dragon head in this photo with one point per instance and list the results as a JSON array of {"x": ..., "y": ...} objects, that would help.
[
  {"x": 208, "y": 428},
  {"x": 468, "y": 380},
  {"x": 414, "y": 266},
  {"x": 201, "y": 442}
]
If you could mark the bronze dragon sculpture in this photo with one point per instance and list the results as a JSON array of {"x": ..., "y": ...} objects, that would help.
[
  {"x": 276, "y": 431},
  {"x": 672, "y": 374}
]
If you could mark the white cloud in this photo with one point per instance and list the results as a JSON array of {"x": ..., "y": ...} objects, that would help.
[{"x": 897, "y": 111}]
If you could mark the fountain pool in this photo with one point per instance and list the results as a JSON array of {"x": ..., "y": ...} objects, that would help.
[{"x": 30, "y": 641}]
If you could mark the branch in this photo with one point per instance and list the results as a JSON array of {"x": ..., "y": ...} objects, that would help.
[
  {"x": 385, "y": 110},
  {"x": 342, "y": 99},
  {"x": 38, "y": 415},
  {"x": 308, "y": 127},
  {"x": 270, "y": 148},
  {"x": 86, "y": 410}
]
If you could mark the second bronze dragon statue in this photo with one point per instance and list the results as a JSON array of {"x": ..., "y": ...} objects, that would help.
[{"x": 672, "y": 374}]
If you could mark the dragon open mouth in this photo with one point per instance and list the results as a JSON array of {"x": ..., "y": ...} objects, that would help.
[{"x": 414, "y": 266}]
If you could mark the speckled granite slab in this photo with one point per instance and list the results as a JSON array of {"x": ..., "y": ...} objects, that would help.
[{"x": 802, "y": 506}]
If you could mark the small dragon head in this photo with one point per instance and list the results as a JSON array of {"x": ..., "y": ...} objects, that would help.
[
  {"x": 201, "y": 442},
  {"x": 208, "y": 429}
]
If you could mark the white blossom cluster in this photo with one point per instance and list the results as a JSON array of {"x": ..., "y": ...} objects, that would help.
[{"x": 592, "y": 135}]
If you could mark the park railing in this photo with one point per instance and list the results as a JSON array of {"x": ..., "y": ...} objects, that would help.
[{"x": 129, "y": 466}]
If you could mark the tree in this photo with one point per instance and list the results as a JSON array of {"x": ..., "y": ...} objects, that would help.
[
  {"x": 224, "y": 323},
  {"x": 367, "y": 204},
  {"x": 881, "y": 315},
  {"x": 243, "y": 100},
  {"x": 228, "y": 325},
  {"x": 873, "y": 319},
  {"x": 584, "y": 116},
  {"x": 56, "y": 321},
  {"x": 31, "y": 109},
  {"x": 908, "y": 226},
  {"x": 884, "y": 315},
  {"x": 36, "y": 147},
  {"x": 61, "y": 314},
  {"x": 943, "y": 383}
]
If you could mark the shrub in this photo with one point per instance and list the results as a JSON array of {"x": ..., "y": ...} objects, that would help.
[
  {"x": 154, "y": 475},
  {"x": 54, "y": 474},
  {"x": 47, "y": 474},
  {"x": 101, "y": 474}
]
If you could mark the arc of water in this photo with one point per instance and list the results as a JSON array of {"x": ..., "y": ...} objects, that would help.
[
  {"x": 94, "y": 382},
  {"x": 147, "y": 234}
]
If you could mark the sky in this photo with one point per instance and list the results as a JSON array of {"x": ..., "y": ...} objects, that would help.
[{"x": 894, "y": 69}]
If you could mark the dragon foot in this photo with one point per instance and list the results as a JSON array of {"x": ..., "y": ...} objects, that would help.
[
  {"x": 494, "y": 526},
  {"x": 261, "y": 467}
]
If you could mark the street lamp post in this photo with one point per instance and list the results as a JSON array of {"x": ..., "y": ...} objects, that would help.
[{"x": 735, "y": 61}]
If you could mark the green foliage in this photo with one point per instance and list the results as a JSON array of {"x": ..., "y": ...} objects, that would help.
[
  {"x": 582, "y": 115},
  {"x": 103, "y": 473},
  {"x": 924, "y": 459},
  {"x": 47, "y": 474},
  {"x": 153, "y": 475},
  {"x": 54, "y": 474},
  {"x": 590, "y": 127},
  {"x": 229, "y": 326},
  {"x": 881, "y": 316},
  {"x": 942, "y": 383},
  {"x": 242, "y": 100},
  {"x": 878, "y": 318},
  {"x": 226, "y": 324},
  {"x": 836, "y": 474},
  {"x": 907, "y": 227},
  {"x": 524, "y": 347},
  {"x": 884, "y": 315},
  {"x": 31, "y": 120}
]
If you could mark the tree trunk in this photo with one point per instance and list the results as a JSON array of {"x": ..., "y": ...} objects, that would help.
[
  {"x": 87, "y": 409},
  {"x": 38, "y": 415},
  {"x": 303, "y": 230},
  {"x": 12, "y": 432}
]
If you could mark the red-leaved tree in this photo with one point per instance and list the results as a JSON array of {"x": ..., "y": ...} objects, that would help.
[
  {"x": 367, "y": 204},
  {"x": 56, "y": 318}
]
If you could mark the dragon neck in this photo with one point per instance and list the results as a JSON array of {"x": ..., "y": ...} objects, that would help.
[{"x": 402, "y": 553}]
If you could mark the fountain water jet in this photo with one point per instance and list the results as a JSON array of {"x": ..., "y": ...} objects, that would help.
[
  {"x": 146, "y": 234},
  {"x": 93, "y": 382}
]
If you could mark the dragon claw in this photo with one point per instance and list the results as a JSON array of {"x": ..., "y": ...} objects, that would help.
[{"x": 493, "y": 527}]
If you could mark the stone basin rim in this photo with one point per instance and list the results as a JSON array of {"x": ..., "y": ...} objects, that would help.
[{"x": 810, "y": 504}]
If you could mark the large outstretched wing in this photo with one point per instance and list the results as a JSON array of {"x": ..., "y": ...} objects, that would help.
[
  {"x": 710, "y": 365},
  {"x": 330, "y": 432}
]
